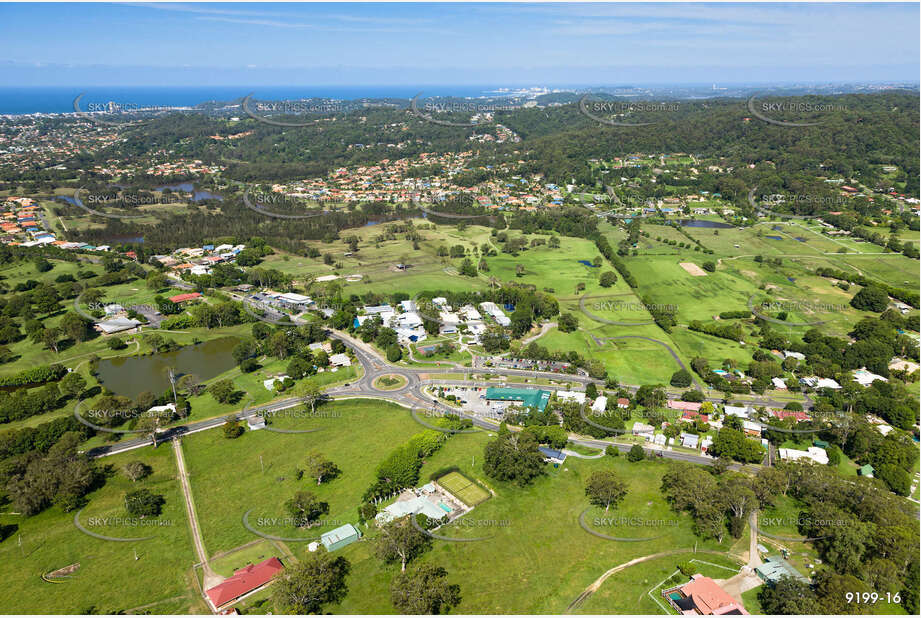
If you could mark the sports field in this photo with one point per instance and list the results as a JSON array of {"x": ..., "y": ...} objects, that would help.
[{"x": 463, "y": 488}]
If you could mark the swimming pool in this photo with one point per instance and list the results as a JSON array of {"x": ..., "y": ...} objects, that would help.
[{"x": 445, "y": 507}]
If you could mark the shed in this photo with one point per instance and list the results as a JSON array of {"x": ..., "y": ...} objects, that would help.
[
  {"x": 866, "y": 470},
  {"x": 340, "y": 537}
]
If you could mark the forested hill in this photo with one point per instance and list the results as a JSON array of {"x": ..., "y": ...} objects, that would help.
[{"x": 858, "y": 132}]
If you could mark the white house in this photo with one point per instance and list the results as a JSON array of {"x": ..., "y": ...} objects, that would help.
[
  {"x": 866, "y": 378},
  {"x": 779, "y": 384},
  {"x": 813, "y": 453},
  {"x": 600, "y": 404},
  {"x": 340, "y": 360}
]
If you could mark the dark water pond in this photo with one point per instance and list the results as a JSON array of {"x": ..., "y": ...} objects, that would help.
[{"x": 132, "y": 375}]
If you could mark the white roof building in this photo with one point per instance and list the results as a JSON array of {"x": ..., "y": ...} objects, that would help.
[
  {"x": 796, "y": 355},
  {"x": 741, "y": 412},
  {"x": 779, "y": 384},
  {"x": 600, "y": 404},
  {"x": 866, "y": 378},
  {"x": 408, "y": 305},
  {"x": 340, "y": 360},
  {"x": 816, "y": 382},
  {"x": 117, "y": 325},
  {"x": 576, "y": 396},
  {"x": 813, "y": 453},
  {"x": 470, "y": 313}
]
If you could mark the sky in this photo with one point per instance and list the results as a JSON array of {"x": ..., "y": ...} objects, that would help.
[{"x": 210, "y": 44}]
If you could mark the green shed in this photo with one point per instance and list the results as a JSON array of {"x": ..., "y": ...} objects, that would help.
[
  {"x": 820, "y": 443},
  {"x": 866, "y": 470},
  {"x": 340, "y": 537}
]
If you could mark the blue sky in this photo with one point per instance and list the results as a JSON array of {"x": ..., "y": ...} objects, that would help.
[{"x": 399, "y": 44}]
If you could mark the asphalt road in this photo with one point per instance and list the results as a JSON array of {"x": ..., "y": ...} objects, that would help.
[{"x": 410, "y": 396}]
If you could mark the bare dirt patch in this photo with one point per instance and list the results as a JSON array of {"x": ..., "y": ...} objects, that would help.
[{"x": 693, "y": 269}]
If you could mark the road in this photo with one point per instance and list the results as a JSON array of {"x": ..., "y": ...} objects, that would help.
[{"x": 410, "y": 395}]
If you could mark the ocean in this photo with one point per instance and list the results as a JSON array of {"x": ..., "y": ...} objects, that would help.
[{"x": 60, "y": 99}]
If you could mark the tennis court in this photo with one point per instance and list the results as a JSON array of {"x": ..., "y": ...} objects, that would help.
[{"x": 463, "y": 488}]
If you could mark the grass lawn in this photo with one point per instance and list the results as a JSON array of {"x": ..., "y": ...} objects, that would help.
[
  {"x": 109, "y": 577},
  {"x": 541, "y": 541},
  {"x": 257, "y": 471}
]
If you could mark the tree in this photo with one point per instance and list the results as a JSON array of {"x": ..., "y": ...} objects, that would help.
[
  {"x": 320, "y": 468},
  {"x": 74, "y": 326},
  {"x": 424, "y": 590},
  {"x": 232, "y": 428},
  {"x": 136, "y": 470},
  {"x": 709, "y": 266},
  {"x": 50, "y": 337},
  {"x": 305, "y": 507},
  {"x": 607, "y": 279},
  {"x": 567, "y": 322},
  {"x": 871, "y": 298},
  {"x": 467, "y": 268},
  {"x": 144, "y": 503},
  {"x": 394, "y": 353},
  {"x": 636, "y": 453},
  {"x": 681, "y": 378},
  {"x": 787, "y": 596},
  {"x": 591, "y": 391},
  {"x": 605, "y": 488},
  {"x": 72, "y": 384},
  {"x": 310, "y": 393},
  {"x": 222, "y": 390},
  {"x": 307, "y": 586},
  {"x": 191, "y": 384},
  {"x": 513, "y": 457},
  {"x": 400, "y": 541}
]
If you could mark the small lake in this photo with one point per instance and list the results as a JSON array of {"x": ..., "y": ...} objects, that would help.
[
  {"x": 132, "y": 375},
  {"x": 704, "y": 223},
  {"x": 188, "y": 187}
]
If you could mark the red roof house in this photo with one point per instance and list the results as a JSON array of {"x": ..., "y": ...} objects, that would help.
[
  {"x": 244, "y": 580},
  {"x": 799, "y": 415},
  {"x": 702, "y": 595},
  {"x": 623, "y": 402},
  {"x": 684, "y": 405},
  {"x": 179, "y": 298},
  {"x": 691, "y": 415}
]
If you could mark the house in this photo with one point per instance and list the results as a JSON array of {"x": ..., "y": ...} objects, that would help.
[
  {"x": 683, "y": 405},
  {"x": 294, "y": 301},
  {"x": 779, "y": 384},
  {"x": 552, "y": 455},
  {"x": 181, "y": 298},
  {"x": 576, "y": 396},
  {"x": 866, "y": 378},
  {"x": 600, "y": 405},
  {"x": 740, "y": 411},
  {"x": 775, "y": 567},
  {"x": 816, "y": 382},
  {"x": 623, "y": 402},
  {"x": 691, "y": 417},
  {"x": 689, "y": 440},
  {"x": 244, "y": 581},
  {"x": 117, "y": 325},
  {"x": 377, "y": 309},
  {"x": 751, "y": 428},
  {"x": 255, "y": 422},
  {"x": 642, "y": 429},
  {"x": 797, "y": 355},
  {"x": 866, "y": 470},
  {"x": 799, "y": 415},
  {"x": 269, "y": 384},
  {"x": 413, "y": 506},
  {"x": 813, "y": 453},
  {"x": 703, "y": 596},
  {"x": 407, "y": 306},
  {"x": 340, "y": 360},
  {"x": 340, "y": 537}
]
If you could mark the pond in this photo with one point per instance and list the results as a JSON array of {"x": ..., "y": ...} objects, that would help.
[
  {"x": 132, "y": 375},
  {"x": 704, "y": 223},
  {"x": 188, "y": 187}
]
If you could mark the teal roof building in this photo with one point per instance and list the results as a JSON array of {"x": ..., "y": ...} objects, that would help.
[
  {"x": 533, "y": 398},
  {"x": 340, "y": 537}
]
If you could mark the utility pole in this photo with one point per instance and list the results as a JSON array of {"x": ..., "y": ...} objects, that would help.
[{"x": 172, "y": 381}]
